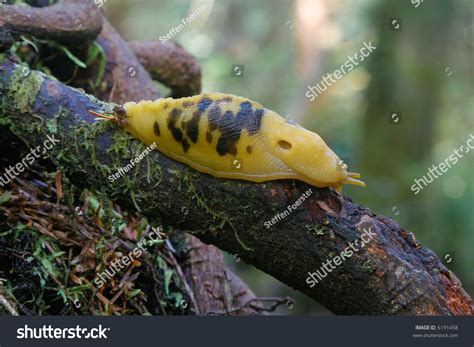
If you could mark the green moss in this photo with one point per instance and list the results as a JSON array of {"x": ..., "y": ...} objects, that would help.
[
  {"x": 315, "y": 230},
  {"x": 24, "y": 87},
  {"x": 123, "y": 148},
  {"x": 85, "y": 138},
  {"x": 187, "y": 178},
  {"x": 52, "y": 125}
]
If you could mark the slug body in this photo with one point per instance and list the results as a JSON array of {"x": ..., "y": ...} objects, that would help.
[{"x": 228, "y": 136}]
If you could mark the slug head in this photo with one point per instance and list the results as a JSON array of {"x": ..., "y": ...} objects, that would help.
[{"x": 307, "y": 154}]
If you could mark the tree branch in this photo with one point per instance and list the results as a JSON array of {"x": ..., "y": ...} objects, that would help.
[
  {"x": 170, "y": 64},
  {"x": 215, "y": 287},
  {"x": 391, "y": 275},
  {"x": 125, "y": 78},
  {"x": 73, "y": 22}
]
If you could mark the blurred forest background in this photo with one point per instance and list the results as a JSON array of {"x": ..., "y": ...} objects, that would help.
[{"x": 422, "y": 69}]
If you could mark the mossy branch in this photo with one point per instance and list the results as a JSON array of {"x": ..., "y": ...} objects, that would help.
[{"x": 392, "y": 274}]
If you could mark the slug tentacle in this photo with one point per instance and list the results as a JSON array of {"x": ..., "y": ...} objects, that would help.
[
  {"x": 229, "y": 136},
  {"x": 353, "y": 175},
  {"x": 102, "y": 116},
  {"x": 350, "y": 180}
]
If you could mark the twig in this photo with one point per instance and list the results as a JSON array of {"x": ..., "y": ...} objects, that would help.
[
  {"x": 188, "y": 289},
  {"x": 275, "y": 303},
  {"x": 9, "y": 306}
]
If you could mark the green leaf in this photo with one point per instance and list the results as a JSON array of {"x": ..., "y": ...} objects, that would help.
[
  {"x": 168, "y": 275},
  {"x": 97, "y": 52},
  {"x": 101, "y": 70},
  {"x": 63, "y": 295},
  {"x": 93, "y": 203},
  {"x": 94, "y": 50},
  {"x": 47, "y": 265},
  {"x": 30, "y": 43},
  {"x": 178, "y": 298},
  {"x": 75, "y": 59},
  {"x": 56, "y": 254},
  {"x": 134, "y": 293}
]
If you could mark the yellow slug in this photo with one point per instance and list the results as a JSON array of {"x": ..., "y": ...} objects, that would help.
[{"x": 229, "y": 136}]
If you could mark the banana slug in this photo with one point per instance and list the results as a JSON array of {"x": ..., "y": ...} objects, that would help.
[{"x": 232, "y": 137}]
